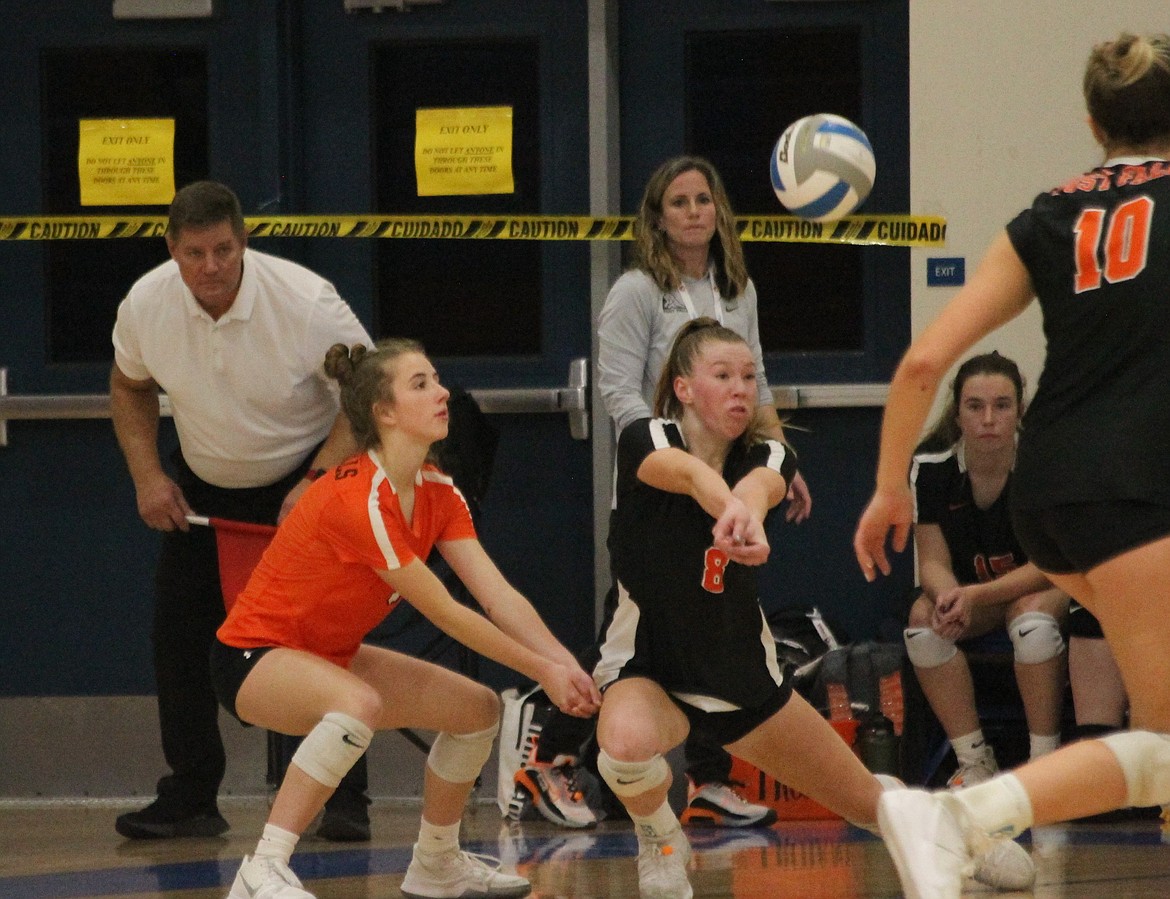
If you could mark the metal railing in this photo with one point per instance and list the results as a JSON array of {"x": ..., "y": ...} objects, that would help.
[
  {"x": 571, "y": 400},
  {"x": 830, "y": 396}
]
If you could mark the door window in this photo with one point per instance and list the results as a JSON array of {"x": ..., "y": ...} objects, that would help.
[
  {"x": 459, "y": 297},
  {"x": 86, "y": 279},
  {"x": 800, "y": 72}
]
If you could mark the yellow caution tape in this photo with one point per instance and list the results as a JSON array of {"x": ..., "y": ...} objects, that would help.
[
  {"x": 64, "y": 227},
  {"x": 866, "y": 230}
]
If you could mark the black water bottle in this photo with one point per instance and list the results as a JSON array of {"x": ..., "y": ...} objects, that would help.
[{"x": 877, "y": 744}]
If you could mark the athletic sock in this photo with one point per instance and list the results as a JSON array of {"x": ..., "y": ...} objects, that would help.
[
  {"x": 658, "y": 824},
  {"x": 276, "y": 842},
  {"x": 998, "y": 807},
  {"x": 435, "y": 839},
  {"x": 1042, "y": 744},
  {"x": 970, "y": 749}
]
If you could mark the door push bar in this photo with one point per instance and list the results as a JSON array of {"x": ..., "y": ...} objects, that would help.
[{"x": 572, "y": 400}]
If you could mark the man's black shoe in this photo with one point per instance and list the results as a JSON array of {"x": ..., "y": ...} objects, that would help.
[{"x": 159, "y": 821}]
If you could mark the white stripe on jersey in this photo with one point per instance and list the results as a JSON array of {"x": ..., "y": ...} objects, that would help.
[
  {"x": 658, "y": 432},
  {"x": 929, "y": 459},
  {"x": 374, "y": 513},
  {"x": 777, "y": 453},
  {"x": 438, "y": 477},
  {"x": 769, "y": 641},
  {"x": 618, "y": 647},
  {"x": 706, "y": 703}
]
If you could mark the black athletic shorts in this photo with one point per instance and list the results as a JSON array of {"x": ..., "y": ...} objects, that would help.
[
  {"x": 1083, "y": 623},
  {"x": 727, "y": 727},
  {"x": 1077, "y": 537},
  {"x": 229, "y": 667}
]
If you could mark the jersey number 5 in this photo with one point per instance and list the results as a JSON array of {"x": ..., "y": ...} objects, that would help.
[{"x": 1127, "y": 243}]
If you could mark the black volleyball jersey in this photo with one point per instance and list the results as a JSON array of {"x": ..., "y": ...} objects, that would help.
[
  {"x": 982, "y": 542},
  {"x": 687, "y": 617},
  {"x": 1098, "y": 252}
]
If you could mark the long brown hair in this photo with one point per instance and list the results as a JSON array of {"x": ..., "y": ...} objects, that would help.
[{"x": 651, "y": 253}]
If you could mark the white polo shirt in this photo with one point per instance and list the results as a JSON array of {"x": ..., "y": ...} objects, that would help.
[{"x": 249, "y": 393}]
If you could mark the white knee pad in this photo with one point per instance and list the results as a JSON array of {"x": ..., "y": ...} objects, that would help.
[
  {"x": 632, "y": 778},
  {"x": 926, "y": 649},
  {"x": 332, "y": 747},
  {"x": 1036, "y": 638},
  {"x": 1145, "y": 759},
  {"x": 458, "y": 758}
]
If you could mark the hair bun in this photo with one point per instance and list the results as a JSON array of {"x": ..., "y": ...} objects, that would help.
[{"x": 340, "y": 361}]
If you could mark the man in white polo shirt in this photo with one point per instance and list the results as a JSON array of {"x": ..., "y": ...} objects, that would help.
[{"x": 237, "y": 340}]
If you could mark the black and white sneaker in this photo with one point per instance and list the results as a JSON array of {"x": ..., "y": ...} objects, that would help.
[
  {"x": 718, "y": 805},
  {"x": 552, "y": 789}
]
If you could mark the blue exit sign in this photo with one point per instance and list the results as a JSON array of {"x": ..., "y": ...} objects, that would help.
[{"x": 945, "y": 272}]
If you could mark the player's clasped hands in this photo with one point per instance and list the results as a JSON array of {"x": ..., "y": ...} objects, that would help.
[
  {"x": 740, "y": 534},
  {"x": 952, "y": 614},
  {"x": 572, "y": 690}
]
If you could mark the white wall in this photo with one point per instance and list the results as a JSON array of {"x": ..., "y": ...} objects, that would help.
[{"x": 996, "y": 117}]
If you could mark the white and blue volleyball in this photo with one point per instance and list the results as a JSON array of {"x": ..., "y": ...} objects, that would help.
[{"x": 822, "y": 167}]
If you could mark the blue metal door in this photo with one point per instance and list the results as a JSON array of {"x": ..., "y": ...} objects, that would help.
[
  {"x": 290, "y": 101},
  {"x": 76, "y": 561}
]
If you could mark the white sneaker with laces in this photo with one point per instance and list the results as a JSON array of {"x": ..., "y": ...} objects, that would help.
[
  {"x": 266, "y": 878},
  {"x": 926, "y": 841},
  {"x": 662, "y": 867},
  {"x": 460, "y": 875},
  {"x": 718, "y": 805},
  {"x": 972, "y": 773}
]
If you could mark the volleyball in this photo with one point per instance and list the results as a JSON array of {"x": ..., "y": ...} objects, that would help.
[{"x": 822, "y": 167}]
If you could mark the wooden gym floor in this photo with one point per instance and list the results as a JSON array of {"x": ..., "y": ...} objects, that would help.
[{"x": 56, "y": 850}]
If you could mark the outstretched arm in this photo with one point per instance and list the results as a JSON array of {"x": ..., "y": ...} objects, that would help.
[
  {"x": 675, "y": 470},
  {"x": 513, "y": 634},
  {"x": 738, "y": 514},
  {"x": 760, "y": 490}
]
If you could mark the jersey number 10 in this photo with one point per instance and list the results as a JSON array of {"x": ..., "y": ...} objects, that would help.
[{"x": 1127, "y": 243}]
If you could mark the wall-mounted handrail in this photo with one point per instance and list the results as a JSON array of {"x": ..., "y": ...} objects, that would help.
[
  {"x": 830, "y": 396},
  {"x": 572, "y": 400}
]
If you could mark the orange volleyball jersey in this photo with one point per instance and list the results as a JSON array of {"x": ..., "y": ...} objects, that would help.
[{"x": 317, "y": 587}]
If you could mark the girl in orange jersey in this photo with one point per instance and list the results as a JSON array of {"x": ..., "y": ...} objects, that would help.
[{"x": 289, "y": 657}]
